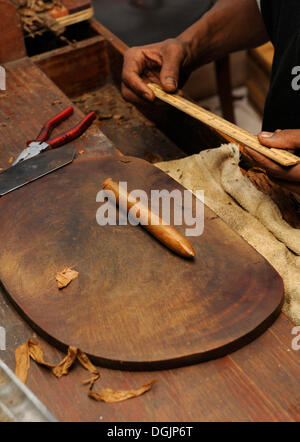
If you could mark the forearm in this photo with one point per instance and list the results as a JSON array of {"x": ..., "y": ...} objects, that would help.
[{"x": 231, "y": 25}]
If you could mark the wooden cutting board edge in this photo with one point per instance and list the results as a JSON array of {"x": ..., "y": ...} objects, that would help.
[{"x": 178, "y": 362}]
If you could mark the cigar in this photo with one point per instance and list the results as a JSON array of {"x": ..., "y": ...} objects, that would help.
[{"x": 166, "y": 234}]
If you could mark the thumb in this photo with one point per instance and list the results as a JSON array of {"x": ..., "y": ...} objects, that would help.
[
  {"x": 169, "y": 74},
  {"x": 284, "y": 139}
]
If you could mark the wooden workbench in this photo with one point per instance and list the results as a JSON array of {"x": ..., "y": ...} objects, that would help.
[{"x": 259, "y": 382}]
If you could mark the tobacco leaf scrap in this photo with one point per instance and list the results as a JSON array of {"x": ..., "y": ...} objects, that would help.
[
  {"x": 37, "y": 354},
  {"x": 66, "y": 363},
  {"x": 22, "y": 362},
  {"x": 108, "y": 395},
  {"x": 32, "y": 349},
  {"x": 86, "y": 363},
  {"x": 65, "y": 277}
]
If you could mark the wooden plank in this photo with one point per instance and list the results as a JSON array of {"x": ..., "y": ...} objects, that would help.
[
  {"x": 274, "y": 364},
  {"x": 258, "y": 82},
  {"x": 259, "y": 63},
  {"x": 115, "y": 47},
  {"x": 264, "y": 56},
  {"x": 70, "y": 67},
  {"x": 11, "y": 37}
]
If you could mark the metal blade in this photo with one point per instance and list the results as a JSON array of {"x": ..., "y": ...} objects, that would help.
[{"x": 34, "y": 168}]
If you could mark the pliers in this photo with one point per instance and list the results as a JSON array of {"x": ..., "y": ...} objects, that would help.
[{"x": 39, "y": 145}]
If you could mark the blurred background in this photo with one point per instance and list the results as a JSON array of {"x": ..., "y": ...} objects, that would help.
[{"x": 138, "y": 22}]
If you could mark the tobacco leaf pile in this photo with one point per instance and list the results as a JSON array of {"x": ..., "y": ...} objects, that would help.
[
  {"x": 31, "y": 349},
  {"x": 35, "y": 17}
]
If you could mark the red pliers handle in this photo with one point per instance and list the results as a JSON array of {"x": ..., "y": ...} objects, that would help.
[
  {"x": 68, "y": 136},
  {"x": 42, "y": 143}
]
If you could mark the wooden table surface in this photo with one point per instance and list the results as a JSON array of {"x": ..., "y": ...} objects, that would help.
[{"x": 259, "y": 382}]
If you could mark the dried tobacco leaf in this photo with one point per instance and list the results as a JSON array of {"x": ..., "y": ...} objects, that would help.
[
  {"x": 65, "y": 277},
  {"x": 91, "y": 381},
  {"x": 22, "y": 362},
  {"x": 32, "y": 349},
  {"x": 108, "y": 395},
  {"x": 64, "y": 366},
  {"x": 37, "y": 354},
  {"x": 86, "y": 363}
]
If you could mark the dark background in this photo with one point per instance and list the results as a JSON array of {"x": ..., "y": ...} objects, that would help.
[{"x": 138, "y": 22}]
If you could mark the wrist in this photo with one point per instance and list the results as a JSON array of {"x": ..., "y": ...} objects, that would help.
[{"x": 196, "y": 41}]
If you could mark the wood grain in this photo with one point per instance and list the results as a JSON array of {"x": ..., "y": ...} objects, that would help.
[
  {"x": 12, "y": 44},
  {"x": 135, "y": 303}
]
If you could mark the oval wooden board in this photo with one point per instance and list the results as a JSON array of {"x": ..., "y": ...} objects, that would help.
[{"x": 135, "y": 304}]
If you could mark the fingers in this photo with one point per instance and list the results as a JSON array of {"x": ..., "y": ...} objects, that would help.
[
  {"x": 263, "y": 161},
  {"x": 275, "y": 170},
  {"x": 172, "y": 59},
  {"x": 141, "y": 64},
  {"x": 281, "y": 139},
  {"x": 131, "y": 96},
  {"x": 134, "y": 88}
]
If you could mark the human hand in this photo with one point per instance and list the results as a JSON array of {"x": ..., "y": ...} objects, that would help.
[
  {"x": 161, "y": 63},
  {"x": 281, "y": 139}
]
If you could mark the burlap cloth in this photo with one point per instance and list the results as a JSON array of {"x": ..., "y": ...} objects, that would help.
[{"x": 249, "y": 212}]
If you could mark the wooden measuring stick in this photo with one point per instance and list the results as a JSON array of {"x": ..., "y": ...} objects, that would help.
[{"x": 280, "y": 156}]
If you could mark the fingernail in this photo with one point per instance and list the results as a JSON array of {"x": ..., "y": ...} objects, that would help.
[
  {"x": 267, "y": 134},
  {"x": 171, "y": 81}
]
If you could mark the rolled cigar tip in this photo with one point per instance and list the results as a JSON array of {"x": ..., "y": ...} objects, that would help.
[
  {"x": 187, "y": 250},
  {"x": 191, "y": 251}
]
